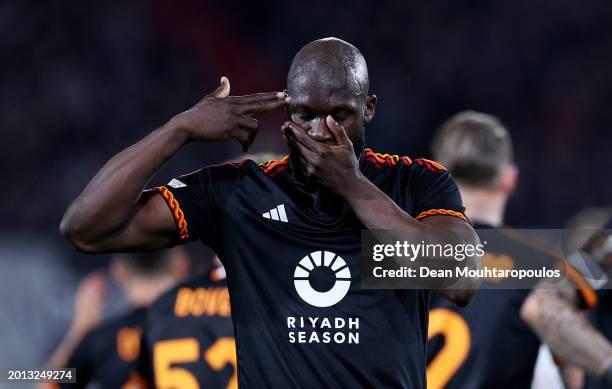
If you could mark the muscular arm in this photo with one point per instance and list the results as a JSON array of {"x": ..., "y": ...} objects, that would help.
[
  {"x": 115, "y": 213},
  {"x": 553, "y": 314},
  {"x": 378, "y": 212}
]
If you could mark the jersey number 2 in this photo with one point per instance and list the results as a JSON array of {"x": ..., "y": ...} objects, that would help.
[
  {"x": 169, "y": 352},
  {"x": 456, "y": 347}
]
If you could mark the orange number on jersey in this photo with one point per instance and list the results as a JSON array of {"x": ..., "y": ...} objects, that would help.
[
  {"x": 168, "y": 352},
  {"x": 456, "y": 347},
  {"x": 222, "y": 353}
]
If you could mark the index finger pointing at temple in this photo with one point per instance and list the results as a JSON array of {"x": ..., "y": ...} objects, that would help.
[{"x": 261, "y": 102}]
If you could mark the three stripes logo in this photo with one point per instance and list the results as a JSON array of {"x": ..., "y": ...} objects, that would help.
[
  {"x": 317, "y": 261},
  {"x": 277, "y": 213}
]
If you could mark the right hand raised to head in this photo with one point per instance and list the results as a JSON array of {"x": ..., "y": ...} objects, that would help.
[{"x": 221, "y": 116}]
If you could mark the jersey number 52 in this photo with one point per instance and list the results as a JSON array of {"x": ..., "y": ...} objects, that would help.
[{"x": 168, "y": 353}]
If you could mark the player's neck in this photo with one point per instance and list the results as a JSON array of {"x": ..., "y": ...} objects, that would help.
[
  {"x": 142, "y": 292},
  {"x": 297, "y": 176},
  {"x": 484, "y": 206}
]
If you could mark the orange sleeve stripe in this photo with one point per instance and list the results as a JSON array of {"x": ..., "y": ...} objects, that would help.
[
  {"x": 447, "y": 212},
  {"x": 177, "y": 213},
  {"x": 588, "y": 294}
]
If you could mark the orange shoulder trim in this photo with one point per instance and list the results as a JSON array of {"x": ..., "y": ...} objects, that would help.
[
  {"x": 380, "y": 159},
  {"x": 177, "y": 212},
  {"x": 429, "y": 164},
  {"x": 271, "y": 167},
  {"x": 448, "y": 212}
]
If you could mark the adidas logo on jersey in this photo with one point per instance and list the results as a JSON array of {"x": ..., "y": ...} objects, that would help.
[{"x": 277, "y": 213}]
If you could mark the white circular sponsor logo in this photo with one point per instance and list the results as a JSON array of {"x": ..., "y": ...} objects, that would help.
[{"x": 322, "y": 260}]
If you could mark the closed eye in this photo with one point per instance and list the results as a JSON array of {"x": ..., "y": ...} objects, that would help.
[
  {"x": 342, "y": 114},
  {"x": 303, "y": 115}
]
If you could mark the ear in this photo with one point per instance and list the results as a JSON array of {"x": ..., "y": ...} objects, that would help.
[
  {"x": 370, "y": 108},
  {"x": 508, "y": 179}
]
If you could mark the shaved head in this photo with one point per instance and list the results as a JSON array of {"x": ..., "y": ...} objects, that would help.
[
  {"x": 330, "y": 77},
  {"x": 329, "y": 62}
]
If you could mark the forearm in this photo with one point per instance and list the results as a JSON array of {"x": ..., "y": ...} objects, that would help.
[
  {"x": 567, "y": 331},
  {"x": 64, "y": 350},
  {"x": 108, "y": 200},
  {"x": 377, "y": 211},
  {"x": 381, "y": 215}
]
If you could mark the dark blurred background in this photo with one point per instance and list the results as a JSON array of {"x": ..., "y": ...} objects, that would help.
[{"x": 80, "y": 80}]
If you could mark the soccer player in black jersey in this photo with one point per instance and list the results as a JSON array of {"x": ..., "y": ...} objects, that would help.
[
  {"x": 289, "y": 232},
  {"x": 188, "y": 338},
  {"x": 106, "y": 355},
  {"x": 485, "y": 345}
]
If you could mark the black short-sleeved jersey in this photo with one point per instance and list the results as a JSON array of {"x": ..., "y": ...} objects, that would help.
[
  {"x": 292, "y": 258},
  {"x": 188, "y": 338},
  {"x": 487, "y": 344},
  {"x": 108, "y": 354}
]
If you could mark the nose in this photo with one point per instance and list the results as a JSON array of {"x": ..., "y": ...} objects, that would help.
[{"x": 319, "y": 131}]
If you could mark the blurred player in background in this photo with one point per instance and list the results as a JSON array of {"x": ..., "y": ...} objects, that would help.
[
  {"x": 557, "y": 314},
  {"x": 105, "y": 354},
  {"x": 486, "y": 344},
  {"x": 188, "y": 337}
]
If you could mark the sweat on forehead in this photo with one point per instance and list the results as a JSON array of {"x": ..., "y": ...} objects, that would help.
[{"x": 331, "y": 63}]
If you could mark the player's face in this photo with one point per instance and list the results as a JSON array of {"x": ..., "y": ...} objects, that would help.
[{"x": 312, "y": 102}]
